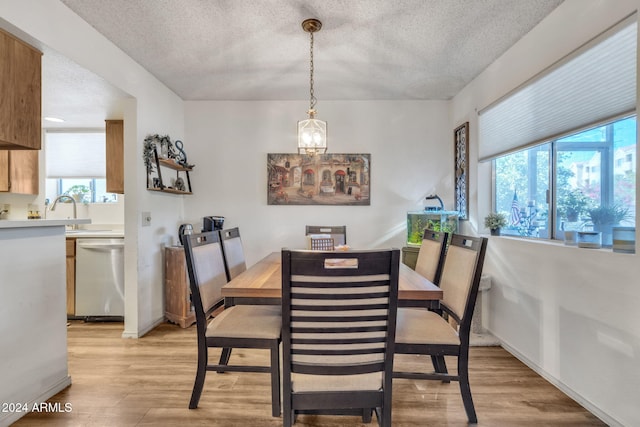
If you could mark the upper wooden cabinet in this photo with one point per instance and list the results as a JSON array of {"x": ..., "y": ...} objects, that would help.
[
  {"x": 20, "y": 94},
  {"x": 19, "y": 171},
  {"x": 115, "y": 156}
]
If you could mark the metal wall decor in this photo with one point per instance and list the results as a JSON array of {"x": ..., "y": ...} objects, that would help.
[
  {"x": 323, "y": 179},
  {"x": 461, "y": 156}
]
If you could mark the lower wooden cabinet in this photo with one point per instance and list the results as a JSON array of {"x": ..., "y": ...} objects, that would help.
[
  {"x": 410, "y": 256},
  {"x": 178, "y": 307},
  {"x": 71, "y": 277}
]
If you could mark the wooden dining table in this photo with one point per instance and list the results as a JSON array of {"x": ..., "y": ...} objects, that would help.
[{"x": 262, "y": 284}]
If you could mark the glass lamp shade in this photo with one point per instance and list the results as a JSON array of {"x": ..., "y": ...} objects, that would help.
[{"x": 312, "y": 136}]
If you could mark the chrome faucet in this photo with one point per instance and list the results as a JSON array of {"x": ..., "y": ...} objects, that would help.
[{"x": 75, "y": 212}]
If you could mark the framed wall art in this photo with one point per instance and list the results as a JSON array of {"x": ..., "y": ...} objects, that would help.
[
  {"x": 324, "y": 179},
  {"x": 461, "y": 157}
]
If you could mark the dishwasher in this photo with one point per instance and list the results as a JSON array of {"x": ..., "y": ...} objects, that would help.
[{"x": 100, "y": 279}]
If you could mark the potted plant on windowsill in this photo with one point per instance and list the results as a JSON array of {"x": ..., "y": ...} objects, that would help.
[
  {"x": 572, "y": 205},
  {"x": 494, "y": 222},
  {"x": 604, "y": 218}
]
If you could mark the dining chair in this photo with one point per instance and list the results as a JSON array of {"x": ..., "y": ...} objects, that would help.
[
  {"x": 338, "y": 232},
  {"x": 339, "y": 314},
  {"x": 322, "y": 243},
  {"x": 431, "y": 254},
  {"x": 246, "y": 326},
  {"x": 234, "y": 260},
  {"x": 420, "y": 331}
]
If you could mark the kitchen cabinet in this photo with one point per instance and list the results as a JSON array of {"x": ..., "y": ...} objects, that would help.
[
  {"x": 178, "y": 307},
  {"x": 115, "y": 155},
  {"x": 20, "y": 94},
  {"x": 71, "y": 277},
  {"x": 19, "y": 172}
]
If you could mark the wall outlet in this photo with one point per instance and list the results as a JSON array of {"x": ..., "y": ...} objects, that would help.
[{"x": 146, "y": 219}]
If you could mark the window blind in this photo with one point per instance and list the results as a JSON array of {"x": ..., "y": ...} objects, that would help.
[
  {"x": 75, "y": 154},
  {"x": 595, "y": 83}
]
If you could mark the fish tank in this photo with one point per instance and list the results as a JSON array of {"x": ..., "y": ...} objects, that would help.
[{"x": 437, "y": 220}]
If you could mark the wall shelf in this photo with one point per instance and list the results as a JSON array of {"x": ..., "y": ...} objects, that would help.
[{"x": 169, "y": 164}]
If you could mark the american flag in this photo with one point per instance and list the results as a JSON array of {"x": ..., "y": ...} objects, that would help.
[{"x": 515, "y": 210}]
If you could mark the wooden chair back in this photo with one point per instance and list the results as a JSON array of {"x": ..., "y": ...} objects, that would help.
[
  {"x": 233, "y": 252},
  {"x": 207, "y": 276},
  {"x": 431, "y": 255},
  {"x": 339, "y": 317},
  {"x": 461, "y": 278},
  {"x": 337, "y": 232}
]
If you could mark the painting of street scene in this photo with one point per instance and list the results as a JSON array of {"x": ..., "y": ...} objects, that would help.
[{"x": 323, "y": 179}]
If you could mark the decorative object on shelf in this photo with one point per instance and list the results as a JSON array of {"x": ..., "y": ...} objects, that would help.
[
  {"x": 326, "y": 179},
  {"x": 461, "y": 157},
  {"x": 312, "y": 133},
  {"x": 178, "y": 184},
  {"x": 604, "y": 218},
  {"x": 495, "y": 221},
  {"x": 434, "y": 208},
  {"x": 181, "y": 156}
]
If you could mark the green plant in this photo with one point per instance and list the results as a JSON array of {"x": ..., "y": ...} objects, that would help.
[
  {"x": 78, "y": 192},
  {"x": 495, "y": 220},
  {"x": 608, "y": 214},
  {"x": 572, "y": 204}
]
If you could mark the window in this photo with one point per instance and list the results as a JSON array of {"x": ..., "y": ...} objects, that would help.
[
  {"x": 586, "y": 177},
  {"x": 75, "y": 166}
]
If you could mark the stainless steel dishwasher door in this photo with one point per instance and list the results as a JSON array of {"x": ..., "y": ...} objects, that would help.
[{"x": 100, "y": 277}]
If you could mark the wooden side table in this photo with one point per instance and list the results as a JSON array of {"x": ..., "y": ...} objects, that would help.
[{"x": 178, "y": 308}]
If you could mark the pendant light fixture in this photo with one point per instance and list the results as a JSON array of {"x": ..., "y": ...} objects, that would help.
[{"x": 312, "y": 133}]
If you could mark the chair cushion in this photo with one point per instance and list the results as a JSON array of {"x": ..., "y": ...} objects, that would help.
[
  {"x": 420, "y": 326},
  {"x": 247, "y": 321},
  {"x": 306, "y": 382}
]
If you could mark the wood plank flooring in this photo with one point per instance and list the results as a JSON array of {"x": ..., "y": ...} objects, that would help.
[{"x": 147, "y": 382}]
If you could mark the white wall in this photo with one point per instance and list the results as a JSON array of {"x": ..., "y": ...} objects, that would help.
[
  {"x": 152, "y": 109},
  {"x": 569, "y": 313},
  {"x": 410, "y": 142}
]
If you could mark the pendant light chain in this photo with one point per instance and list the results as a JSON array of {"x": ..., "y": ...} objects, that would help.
[{"x": 312, "y": 99}]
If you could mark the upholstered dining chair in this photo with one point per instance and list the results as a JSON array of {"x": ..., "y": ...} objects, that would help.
[
  {"x": 234, "y": 260},
  {"x": 338, "y": 313},
  {"x": 243, "y": 326},
  {"x": 337, "y": 232},
  {"x": 420, "y": 331},
  {"x": 431, "y": 254}
]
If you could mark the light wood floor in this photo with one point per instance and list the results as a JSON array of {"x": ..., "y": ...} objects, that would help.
[{"x": 147, "y": 382}]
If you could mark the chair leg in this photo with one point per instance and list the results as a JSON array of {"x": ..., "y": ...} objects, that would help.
[
  {"x": 275, "y": 379},
  {"x": 200, "y": 376},
  {"x": 465, "y": 389},
  {"x": 366, "y": 415},
  {"x": 440, "y": 366},
  {"x": 287, "y": 417},
  {"x": 224, "y": 358}
]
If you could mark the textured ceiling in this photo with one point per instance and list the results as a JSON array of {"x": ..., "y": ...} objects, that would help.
[{"x": 367, "y": 49}]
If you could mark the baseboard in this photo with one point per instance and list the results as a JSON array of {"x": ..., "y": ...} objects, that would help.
[
  {"x": 143, "y": 331},
  {"x": 6, "y": 419},
  {"x": 588, "y": 405}
]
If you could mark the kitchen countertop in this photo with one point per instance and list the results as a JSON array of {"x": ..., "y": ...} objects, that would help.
[
  {"x": 94, "y": 232},
  {"x": 84, "y": 233},
  {"x": 8, "y": 223}
]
